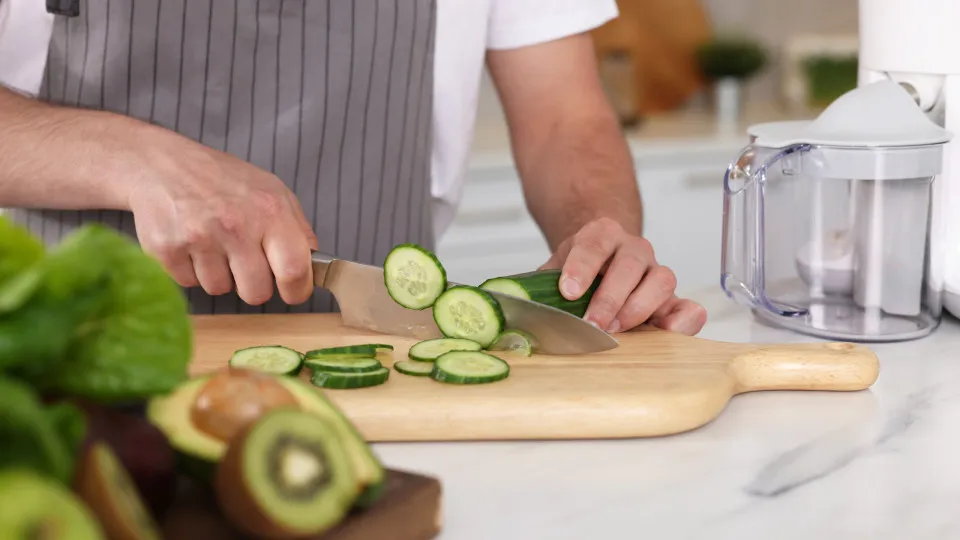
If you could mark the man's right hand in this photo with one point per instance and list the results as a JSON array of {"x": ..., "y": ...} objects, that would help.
[{"x": 217, "y": 221}]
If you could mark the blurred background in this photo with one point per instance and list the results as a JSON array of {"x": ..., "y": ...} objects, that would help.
[{"x": 686, "y": 77}]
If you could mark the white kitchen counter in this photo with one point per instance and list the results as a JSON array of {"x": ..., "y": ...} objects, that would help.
[{"x": 878, "y": 464}]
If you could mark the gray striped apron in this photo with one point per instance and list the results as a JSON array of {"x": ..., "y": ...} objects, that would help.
[{"x": 332, "y": 96}]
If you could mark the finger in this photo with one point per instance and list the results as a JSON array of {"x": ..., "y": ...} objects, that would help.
[
  {"x": 213, "y": 272},
  {"x": 177, "y": 264},
  {"x": 592, "y": 248},
  {"x": 655, "y": 289},
  {"x": 626, "y": 271},
  {"x": 288, "y": 254},
  {"x": 685, "y": 317},
  {"x": 252, "y": 274},
  {"x": 302, "y": 221}
]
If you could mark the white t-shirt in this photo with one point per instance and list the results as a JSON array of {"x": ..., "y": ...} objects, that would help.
[{"x": 461, "y": 43}]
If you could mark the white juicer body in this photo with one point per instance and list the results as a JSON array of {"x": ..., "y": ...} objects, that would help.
[{"x": 916, "y": 43}]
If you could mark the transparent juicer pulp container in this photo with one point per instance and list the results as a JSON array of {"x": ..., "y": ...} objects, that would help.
[{"x": 833, "y": 241}]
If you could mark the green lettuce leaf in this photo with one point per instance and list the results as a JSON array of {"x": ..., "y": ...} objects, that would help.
[
  {"x": 45, "y": 440},
  {"x": 19, "y": 251},
  {"x": 134, "y": 336}
]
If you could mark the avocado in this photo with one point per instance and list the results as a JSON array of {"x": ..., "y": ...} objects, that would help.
[{"x": 198, "y": 453}]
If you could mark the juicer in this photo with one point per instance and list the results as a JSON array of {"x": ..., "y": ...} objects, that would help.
[{"x": 848, "y": 226}]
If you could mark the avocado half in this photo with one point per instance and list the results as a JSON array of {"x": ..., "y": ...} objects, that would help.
[{"x": 198, "y": 453}]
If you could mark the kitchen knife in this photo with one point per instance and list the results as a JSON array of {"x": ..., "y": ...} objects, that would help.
[{"x": 365, "y": 303}]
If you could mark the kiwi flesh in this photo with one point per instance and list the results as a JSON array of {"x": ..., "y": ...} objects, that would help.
[
  {"x": 286, "y": 475},
  {"x": 37, "y": 507},
  {"x": 106, "y": 487}
]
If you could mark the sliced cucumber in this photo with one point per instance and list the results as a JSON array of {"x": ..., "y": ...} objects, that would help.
[
  {"x": 469, "y": 313},
  {"x": 343, "y": 381},
  {"x": 413, "y": 276},
  {"x": 516, "y": 341},
  {"x": 541, "y": 286},
  {"x": 343, "y": 365},
  {"x": 274, "y": 359},
  {"x": 367, "y": 349},
  {"x": 469, "y": 367},
  {"x": 429, "y": 350},
  {"x": 417, "y": 369}
]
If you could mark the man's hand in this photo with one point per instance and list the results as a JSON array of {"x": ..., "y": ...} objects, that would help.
[
  {"x": 634, "y": 289},
  {"x": 214, "y": 220}
]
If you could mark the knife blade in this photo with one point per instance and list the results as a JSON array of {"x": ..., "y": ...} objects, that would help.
[{"x": 364, "y": 303}]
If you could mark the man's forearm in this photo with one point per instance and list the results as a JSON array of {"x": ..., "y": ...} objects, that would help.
[
  {"x": 64, "y": 158},
  {"x": 580, "y": 171}
]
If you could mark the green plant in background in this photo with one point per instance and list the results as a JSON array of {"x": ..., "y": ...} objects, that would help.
[
  {"x": 736, "y": 57},
  {"x": 829, "y": 77}
]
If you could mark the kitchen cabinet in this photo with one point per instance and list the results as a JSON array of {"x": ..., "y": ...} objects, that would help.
[{"x": 680, "y": 181}]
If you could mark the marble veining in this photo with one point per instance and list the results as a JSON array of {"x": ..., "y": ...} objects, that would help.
[{"x": 883, "y": 464}]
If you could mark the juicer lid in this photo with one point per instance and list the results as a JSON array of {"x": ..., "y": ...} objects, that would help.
[{"x": 880, "y": 114}]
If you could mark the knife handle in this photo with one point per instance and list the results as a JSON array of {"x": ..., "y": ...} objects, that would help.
[{"x": 321, "y": 263}]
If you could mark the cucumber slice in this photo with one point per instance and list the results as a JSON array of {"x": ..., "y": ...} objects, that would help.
[
  {"x": 541, "y": 286},
  {"x": 274, "y": 359},
  {"x": 429, "y": 350},
  {"x": 413, "y": 276},
  {"x": 516, "y": 341},
  {"x": 417, "y": 369},
  {"x": 469, "y": 313},
  {"x": 469, "y": 367},
  {"x": 344, "y": 365},
  {"x": 344, "y": 381},
  {"x": 367, "y": 349}
]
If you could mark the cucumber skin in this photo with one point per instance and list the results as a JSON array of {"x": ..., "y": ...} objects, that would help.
[
  {"x": 366, "y": 349},
  {"x": 543, "y": 288},
  {"x": 319, "y": 380},
  {"x": 498, "y": 312},
  {"x": 426, "y": 252}
]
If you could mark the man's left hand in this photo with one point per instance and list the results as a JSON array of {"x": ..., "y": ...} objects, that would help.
[{"x": 634, "y": 289}]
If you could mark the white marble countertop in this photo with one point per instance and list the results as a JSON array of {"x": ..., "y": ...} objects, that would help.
[{"x": 878, "y": 464}]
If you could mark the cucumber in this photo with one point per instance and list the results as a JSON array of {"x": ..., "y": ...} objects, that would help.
[
  {"x": 274, "y": 359},
  {"x": 429, "y": 350},
  {"x": 337, "y": 380},
  {"x": 516, "y": 341},
  {"x": 469, "y": 367},
  {"x": 367, "y": 349},
  {"x": 417, "y": 369},
  {"x": 541, "y": 286},
  {"x": 413, "y": 276},
  {"x": 466, "y": 312},
  {"x": 343, "y": 365}
]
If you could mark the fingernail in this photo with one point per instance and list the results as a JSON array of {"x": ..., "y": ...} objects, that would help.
[
  {"x": 569, "y": 287},
  {"x": 614, "y": 327}
]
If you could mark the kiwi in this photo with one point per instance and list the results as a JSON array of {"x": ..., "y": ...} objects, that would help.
[
  {"x": 111, "y": 495},
  {"x": 36, "y": 506},
  {"x": 286, "y": 475}
]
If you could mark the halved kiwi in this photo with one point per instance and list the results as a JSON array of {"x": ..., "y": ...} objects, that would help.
[
  {"x": 36, "y": 506},
  {"x": 111, "y": 495},
  {"x": 287, "y": 475}
]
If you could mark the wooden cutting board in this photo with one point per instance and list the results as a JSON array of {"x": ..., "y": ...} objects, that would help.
[
  {"x": 655, "y": 383},
  {"x": 409, "y": 509}
]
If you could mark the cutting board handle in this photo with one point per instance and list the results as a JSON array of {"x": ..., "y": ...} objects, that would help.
[{"x": 806, "y": 366}]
